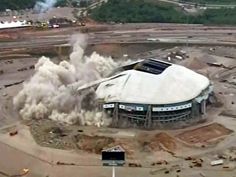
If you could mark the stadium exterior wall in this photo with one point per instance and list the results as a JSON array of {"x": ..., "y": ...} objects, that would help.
[{"x": 147, "y": 116}]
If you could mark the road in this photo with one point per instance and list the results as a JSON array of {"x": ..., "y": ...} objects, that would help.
[
  {"x": 132, "y": 33},
  {"x": 207, "y": 5},
  {"x": 42, "y": 162}
]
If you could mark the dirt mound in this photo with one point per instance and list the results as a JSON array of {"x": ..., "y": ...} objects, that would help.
[
  {"x": 129, "y": 146},
  {"x": 94, "y": 144},
  {"x": 157, "y": 142},
  {"x": 163, "y": 141},
  {"x": 47, "y": 133}
]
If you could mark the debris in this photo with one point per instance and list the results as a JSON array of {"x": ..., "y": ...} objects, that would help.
[
  {"x": 175, "y": 168},
  {"x": 1, "y": 72},
  {"x": 189, "y": 158},
  {"x": 64, "y": 163},
  {"x": 32, "y": 67},
  {"x": 220, "y": 156},
  {"x": 179, "y": 57},
  {"x": 9, "y": 62},
  {"x": 167, "y": 171},
  {"x": 160, "y": 162},
  {"x": 229, "y": 166},
  {"x": 220, "y": 65},
  {"x": 217, "y": 162},
  {"x": 232, "y": 158},
  {"x": 22, "y": 69},
  {"x": 56, "y": 130},
  {"x": 13, "y": 133},
  {"x": 25, "y": 171},
  {"x": 155, "y": 171},
  {"x": 16, "y": 83},
  {"x": 197, "y": 163},
  {"x": 212, "y": 49},
  {"x": 132, "y": 164},
  {"x": 215, "y": 64},
  {"x": 177, "y": 171},
  {"x": 225, "y": 166},
  {"x": 176, "y": 54},
  {"x": 227, "y": 56}
]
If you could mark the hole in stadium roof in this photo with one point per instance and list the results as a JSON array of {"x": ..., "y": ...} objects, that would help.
[{"x": 151, "y": 66}]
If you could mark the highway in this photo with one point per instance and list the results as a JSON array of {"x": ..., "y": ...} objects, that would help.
[
  {"x": 207, "y": 5},
  {"x": 130, "y": 33}
]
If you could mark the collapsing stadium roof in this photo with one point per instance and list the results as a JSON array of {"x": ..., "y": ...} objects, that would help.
[{"x": 153, "y": 82}]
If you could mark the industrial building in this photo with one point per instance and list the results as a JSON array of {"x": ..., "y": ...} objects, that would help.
[
  {"x": 14, "y": 24},
  {"x": 152, "y": 93}
]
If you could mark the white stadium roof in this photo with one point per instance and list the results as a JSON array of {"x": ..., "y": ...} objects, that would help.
[{"x": 175, "y": 84}]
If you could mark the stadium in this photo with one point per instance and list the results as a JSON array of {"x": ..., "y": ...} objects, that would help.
[{"x": 152, "y": 93}]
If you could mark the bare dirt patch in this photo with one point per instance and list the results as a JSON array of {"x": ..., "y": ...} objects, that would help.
[
  {"x": 157, "y": 142},
  {"x": 93, "y": 144},
  {"x": 204, "y": 134},
  {"x": 47, "y": 133}
]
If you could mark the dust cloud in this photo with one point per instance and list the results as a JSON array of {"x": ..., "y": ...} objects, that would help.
[
  {"x": 48, "y": 94},
  {"x": 43, "y": 6}
]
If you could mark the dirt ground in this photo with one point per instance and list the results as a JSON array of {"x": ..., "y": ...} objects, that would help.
[
  {"x": 41, "y": 144},
  {"x": 204, "y": 134}
]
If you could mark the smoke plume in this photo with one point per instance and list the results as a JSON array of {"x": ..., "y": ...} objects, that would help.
[
  {"x": 43, "y": 6},
  {"x": 48, "y": 94}
]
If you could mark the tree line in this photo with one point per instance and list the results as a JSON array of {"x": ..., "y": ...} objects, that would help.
[
  {"x": 16, "y": 4},
  {"x": 132, "y": 11}
]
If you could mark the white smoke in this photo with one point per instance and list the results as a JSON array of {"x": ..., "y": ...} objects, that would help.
[
  {"x": 43, "y": 6},
  {"x": 48, "y": 93}
]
